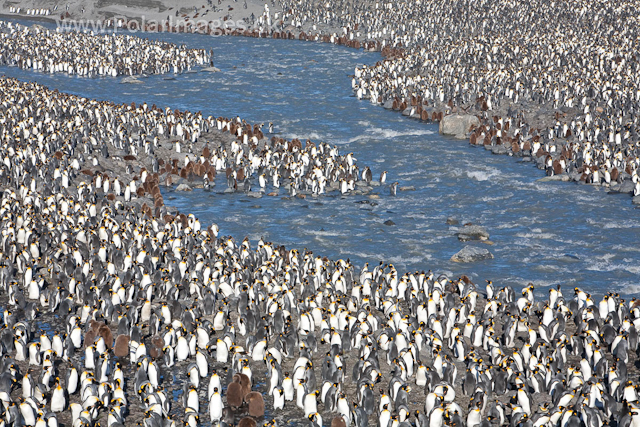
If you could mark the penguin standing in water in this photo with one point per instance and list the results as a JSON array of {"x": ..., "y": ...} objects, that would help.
[{"x": 394, "y": 188}]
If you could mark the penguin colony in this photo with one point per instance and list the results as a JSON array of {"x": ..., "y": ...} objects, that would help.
[
  {"x": 276, "y": 25},
  {"x": 115, "y": 314},
  {"x": 554, "y": 82},
  {"x": 128, "y": 151},
  {"x": 269, "y": 23},
  {"x": 551, "y": 82},
  {"x": 118, "y": 311},
  {"x": 93, "y": 339},
  {"x": 88, "y": 55}
]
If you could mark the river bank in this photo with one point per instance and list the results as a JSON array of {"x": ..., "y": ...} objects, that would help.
[
  {"x": 555, "y": 124},
  {"x": 90, "y": 249}
]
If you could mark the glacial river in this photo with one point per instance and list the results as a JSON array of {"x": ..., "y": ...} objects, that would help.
[{"x": 547, "y": 233}]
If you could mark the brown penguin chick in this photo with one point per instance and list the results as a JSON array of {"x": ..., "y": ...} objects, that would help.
[
  {"x": 245, "y": 382},
  {"x": 234, "y": 395},
  {"x": 121, "y": 348},
  {"x": 105, "y": 333},
  {"x": 92, "y": 332},
  {"x": 157, "y": 341},
  {"x": 154, "y": 352},
  {"x": 247, "y": 422},
  {"x": 338, "y": 421},
  {"x": 95, "y": 325},
  {"x": 155, "y": 349},
  {"x": 89, "y": 337},
  {"x": 256, "y": 404}
]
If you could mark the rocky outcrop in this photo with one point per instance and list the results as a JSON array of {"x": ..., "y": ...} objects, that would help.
[
  {"x": 472, "y": 232},
  {"x": 472, "y": 254},
  {"x": 457, "y": 125}
]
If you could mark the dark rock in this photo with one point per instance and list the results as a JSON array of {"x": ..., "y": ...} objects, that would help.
[{"x": 389, "y": 222}]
